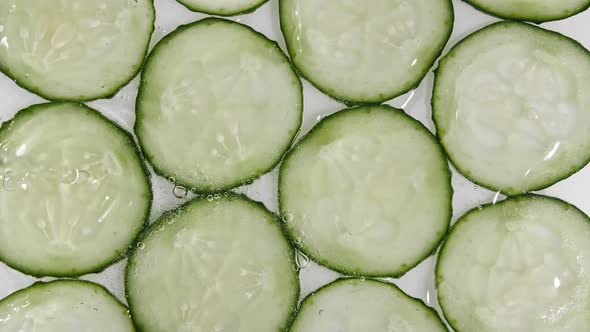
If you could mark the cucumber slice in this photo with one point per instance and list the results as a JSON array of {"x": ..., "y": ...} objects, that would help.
[
  {"x": 537, "y": 11},
  {"x": 223, "y": 7},
  {"x": 206, "y": 92},
  {"x": 519, "y": 265},
  {"x": 64, "y": 50},
  {"x": 352, "y": 305},
  {"x": 367, "y": 192},
  {"x": 74, "y": 192},
  {"x": 64, "y": 306},
  {"x": 365, "y": 51},
  {"x": 512, "y": 108},
  {"x": 222, "y": 265}
]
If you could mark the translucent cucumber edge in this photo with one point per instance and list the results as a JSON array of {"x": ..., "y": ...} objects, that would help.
[
  {"x": 147, "y": 232},
  {"x": 109, "y": 91},
  {"x": 238, "y": 11},
  {"x": 465, "y": 218},
  {"x": 346, "y": 270},
  {"x": 547, "y": 182},
  {"x": 244, "y": 180},
  {"x": 371, "y": 100},
  {"x": 100, "y": 289},
  {"x": 326, "y": 288},
  {"x": 119, "y": 254},
  {"x": 522, "y": 16}
]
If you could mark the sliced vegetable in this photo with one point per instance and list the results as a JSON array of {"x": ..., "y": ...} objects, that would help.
[
  {"x": 519, "y": 265},
  {"x": 355, "y": 305},
  {"x": 223, "y": 7},
  {"x": 218, "y": 105},
  {"x": 537, "y": 11},
  {"x": 365, "y": 51},
  {"x": 64, "y": 306},
  {"x": 74, "y": 192},
  {"x": 367, "y": 192},
  {"x": 64, "y": 50},
  {"x": 222, "y": 265},
  {"x": 511, "y": 107}
]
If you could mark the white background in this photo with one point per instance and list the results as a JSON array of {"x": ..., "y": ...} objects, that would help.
[{"x": 419, "y": 282}]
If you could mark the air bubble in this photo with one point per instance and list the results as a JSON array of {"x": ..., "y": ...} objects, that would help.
[
  {"x": 217, "y": 196},
  {"x": 210, "y": 198},
  {"x": 162, "y": 228},
  {"x": 179, "y": 192},
  {"x": 320, "y": 312},
  {"x": 140, "y": 245},
  {"x": 172, "y": 179},
  {"x": 301, "y": 260},
  {"x": 288, "y": 217},
  {"x": 226, "y": 194}
]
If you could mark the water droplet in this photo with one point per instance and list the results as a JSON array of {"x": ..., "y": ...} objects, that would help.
[
  {"x": 179, "y": 191},
  {"x": 301, "y": 260},
  {"x": 320, "y": 312},
  {"x": 226, "y": 194},
  {"x": 217, "y": 196},
  {"x": 288, "y": 217},
  {"x": 363, "y": 278},
  {"x": 140, "y": 245},
  {"x": 162, "y": 228},
  {"x": 210, "y": 198},
  {"x": 172, "y": 179},
  {"x": 480, "y": 207},
  {"x": 193, "y": 190},
  {"x": 475, "y": 186}
]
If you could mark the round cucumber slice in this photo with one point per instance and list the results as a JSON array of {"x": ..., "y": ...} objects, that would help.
[
  {"x": 64, "y": 306},
  {"x": 511, "y": 107},
  {"x": 519, "y": 265},
  {"x": 64, "y": 50},
  {"x": 74, "y": 192},
  {"x": 221, "y": 265},
  {"x": 223, "y": 7},
  {"x": 218, "y": 105},
  {"x": 365, "y": 51},
  {"x": 537, "y": 11},
  {"x": 364, "y": 305},
  {"x": 367, "y": 192}
]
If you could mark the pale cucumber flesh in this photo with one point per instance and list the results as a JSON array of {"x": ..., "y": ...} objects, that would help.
[
  {"x": 222, "y": 265},
  {"x": 519, "y": 265},
  {"x": 74, "y": 192},
  {"x": 534, "y": 11},
  {"x": 367, "y": 192},
  {"x": 512, "y": 109},
  {"x": 218, "y": 105},
  {"x": 353, "y": 305},
  {"x": 365, "y": 51},
  {"x": 74, "y": 50},
  {"x": 223, "y": 7},
  {"x": 64, "y": 306}
]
